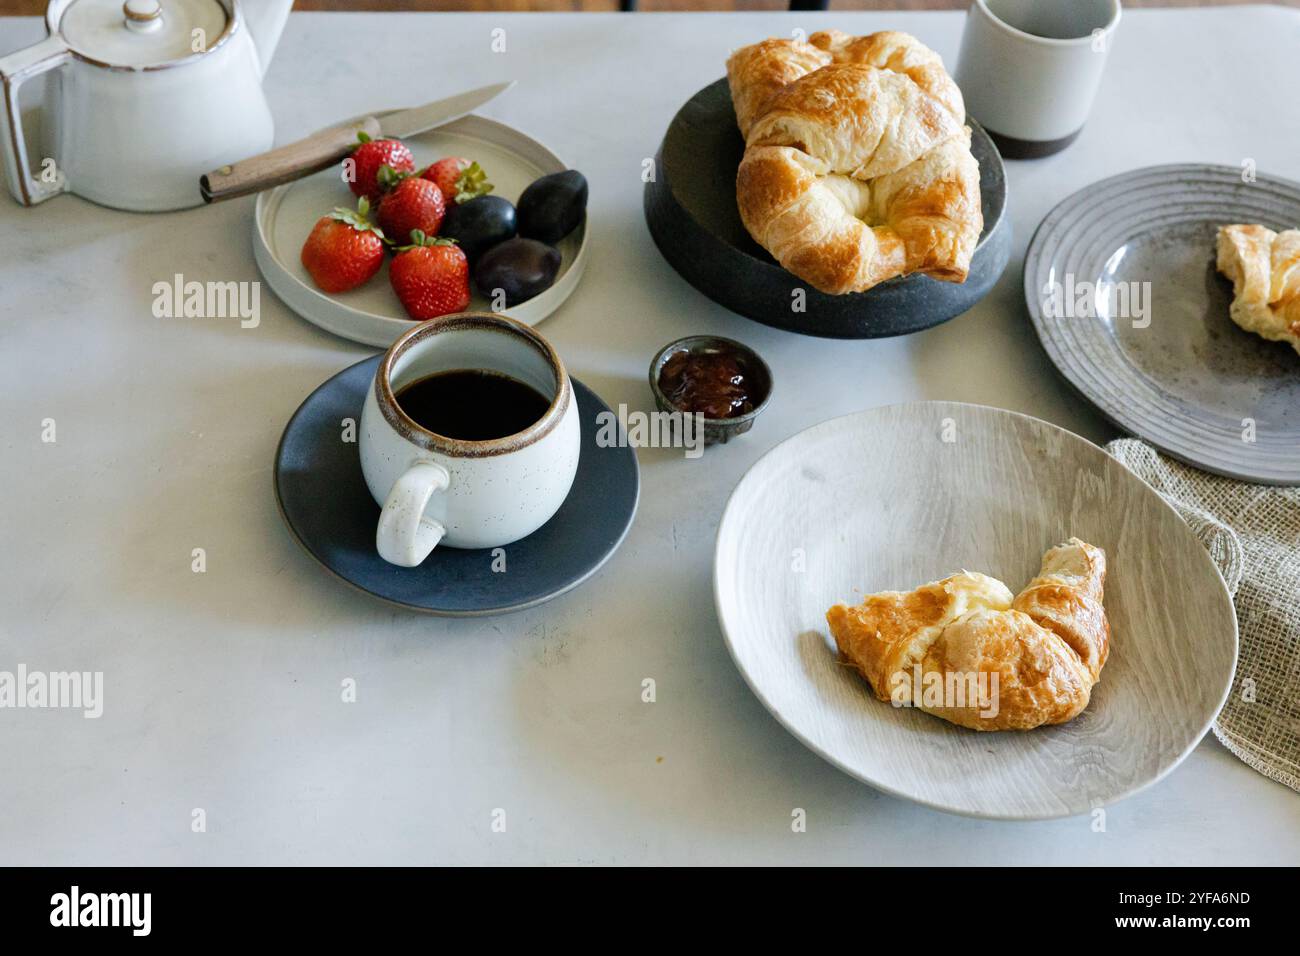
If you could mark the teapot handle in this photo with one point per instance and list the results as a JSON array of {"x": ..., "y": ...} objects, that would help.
[{"x": 15, "y": 69}]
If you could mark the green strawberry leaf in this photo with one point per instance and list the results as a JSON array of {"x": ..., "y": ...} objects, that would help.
[
  {"x": 472, "y": 183},
  {"x": 420, "y": 240},
  {"x": 388, "y": 177},
  {"x": 359, "y": 218}
]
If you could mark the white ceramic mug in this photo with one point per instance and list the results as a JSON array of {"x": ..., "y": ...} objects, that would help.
[
  {"x": 1029, "y": 69},
  {"x": 466, "y": 494}
]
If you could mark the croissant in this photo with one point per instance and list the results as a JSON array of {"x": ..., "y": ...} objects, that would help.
[
  {"x": 965, "y": 650},
  {"x": 857, "y": 164},
  {"x": 1264, "y": 267}
]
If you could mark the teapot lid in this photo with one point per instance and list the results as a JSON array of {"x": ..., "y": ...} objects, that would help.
[{"x": 139, "y": 34}]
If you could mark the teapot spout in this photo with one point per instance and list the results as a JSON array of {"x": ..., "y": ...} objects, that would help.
[{"x": 265, "y": 20}]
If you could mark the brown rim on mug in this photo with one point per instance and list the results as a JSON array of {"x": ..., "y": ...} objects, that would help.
[{"x": 422, "y": 437}]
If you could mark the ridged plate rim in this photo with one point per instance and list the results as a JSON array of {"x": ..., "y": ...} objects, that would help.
[{"x": 1089, "y": 357}]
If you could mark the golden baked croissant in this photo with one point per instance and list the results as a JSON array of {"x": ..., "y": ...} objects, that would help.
[
  {"x": 857, "y": 164},
  {"x": 1264, "y": 267},
  {"x": 965, "y": 650}
]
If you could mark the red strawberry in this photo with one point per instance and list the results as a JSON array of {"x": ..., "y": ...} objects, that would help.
[
  {"x": 431, "y": 277},
  {"x": 376, "y": 165},
  {"x": 459, "y": 179},
  {"x": 412, "y": 204},
  {"x": 344, "y": 249}
]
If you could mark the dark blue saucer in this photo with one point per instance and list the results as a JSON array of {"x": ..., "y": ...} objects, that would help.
[{"x": 325, "y": 502}]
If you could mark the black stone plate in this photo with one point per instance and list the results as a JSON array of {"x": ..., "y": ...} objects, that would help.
[
  {"x": 327, "y": 507},
  {"x": 690, "y": 207}
]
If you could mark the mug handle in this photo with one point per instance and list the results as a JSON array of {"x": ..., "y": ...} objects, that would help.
[
  {"x": 405, "y": 536},
  {"x": 15, "y": 69}
]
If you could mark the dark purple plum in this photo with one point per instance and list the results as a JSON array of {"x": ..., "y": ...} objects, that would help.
[
  {"x": 552, "y": 206},
  {"x": 520, "y": 268},
  {"x": 479, "y": 224}
]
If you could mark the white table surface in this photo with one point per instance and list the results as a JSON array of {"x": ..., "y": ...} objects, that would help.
[{"x": 222, "y": 689}]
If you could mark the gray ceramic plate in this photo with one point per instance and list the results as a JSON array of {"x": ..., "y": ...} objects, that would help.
[
  {"x": 1179, "y": 374},
  {"x": 371, "y": 314}
]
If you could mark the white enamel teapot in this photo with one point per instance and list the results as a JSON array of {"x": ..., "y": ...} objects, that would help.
[{"x": 150, "y": 94}]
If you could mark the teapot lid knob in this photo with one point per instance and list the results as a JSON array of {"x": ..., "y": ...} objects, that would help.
[{"x": 143, "y": 15}]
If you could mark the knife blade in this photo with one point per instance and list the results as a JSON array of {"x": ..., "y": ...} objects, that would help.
[
  {"x": 420, "y": 118},
  {"x": 306, "y": 156}
]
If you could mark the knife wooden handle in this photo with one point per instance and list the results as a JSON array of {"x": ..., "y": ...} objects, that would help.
[{"x": 286, "y": 163}]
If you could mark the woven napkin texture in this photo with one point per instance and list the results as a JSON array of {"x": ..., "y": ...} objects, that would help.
[{"x": 1253, "y": 534}]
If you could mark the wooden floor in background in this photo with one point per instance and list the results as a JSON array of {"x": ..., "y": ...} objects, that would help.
[
  {"x": 33, "y": 7},
  {"x": 690, "y": 5}
]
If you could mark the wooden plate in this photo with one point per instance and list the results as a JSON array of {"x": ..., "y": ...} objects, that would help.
[
  {"x": 880, "y": 500},
  {"x": 372, "y": 314},
  {"x": 690, "y": 207},
  {"x": 1184, "y": 376}
]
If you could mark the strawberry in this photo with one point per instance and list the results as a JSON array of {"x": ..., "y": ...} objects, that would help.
[
  {"x": 376, "y": 165},
  {"x": 430, "y": 276},
  {"x": 459, "y": 179},
  {"x": 344, "y": 249},
  {"x": 411, "y": 204}
]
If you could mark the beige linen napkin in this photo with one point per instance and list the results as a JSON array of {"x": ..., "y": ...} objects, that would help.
[{"x": 1253, "y": 534}]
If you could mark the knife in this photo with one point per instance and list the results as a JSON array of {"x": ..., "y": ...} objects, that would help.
[{"x": 331, "y": 145}]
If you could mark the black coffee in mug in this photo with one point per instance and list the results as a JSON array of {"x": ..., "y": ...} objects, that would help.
[{"x": 472, "y": 404}]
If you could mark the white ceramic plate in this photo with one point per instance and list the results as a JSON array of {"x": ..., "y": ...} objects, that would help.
[
  {"x": 879, "y": 500},
  {"x": 372, "y": 314}
]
